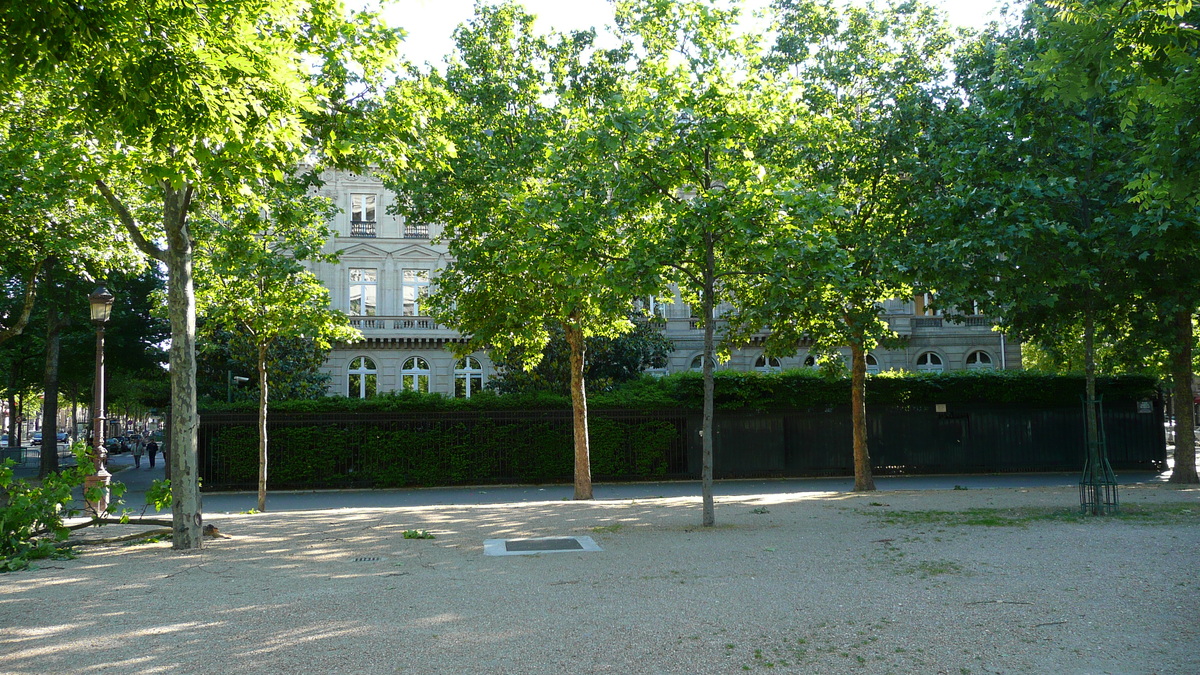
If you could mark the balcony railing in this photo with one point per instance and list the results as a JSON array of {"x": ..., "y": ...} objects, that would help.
[
  {"x": 375, "y": 323},
  {"x": 978, "y": 321},
  {"x": 416, "y": 231},
  {"x": 362, "y": 228},
  {"x": 927, "y": 322}
]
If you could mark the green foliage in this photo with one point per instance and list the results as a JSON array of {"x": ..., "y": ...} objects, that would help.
[
  {"x": 608, "y": 362},
  {"x": 31, "y": 518},
  {"x": 293, "y": 370},
  {"x": 418, "y": 534},
  {"x": 158, "y": 494},
  {"x": 441, "y": 450}
]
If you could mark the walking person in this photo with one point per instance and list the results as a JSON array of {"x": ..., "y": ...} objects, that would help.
[
  {"x": 138, "y": 450},
  {"x": 152, "y": 450}
]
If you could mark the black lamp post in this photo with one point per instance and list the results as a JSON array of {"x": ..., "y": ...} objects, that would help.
[{"x": 101, "y": 302}]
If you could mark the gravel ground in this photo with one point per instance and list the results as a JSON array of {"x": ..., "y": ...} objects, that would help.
[{"x": 963, "y": 581}]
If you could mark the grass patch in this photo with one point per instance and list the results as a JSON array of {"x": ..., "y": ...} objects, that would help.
[
  {"x": 933, "y": 568},
  {"x": 1148, "y": 514},
  {"x": 608, "y": 529}
]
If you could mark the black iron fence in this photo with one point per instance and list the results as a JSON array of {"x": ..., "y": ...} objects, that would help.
[{"x": 332, "y": 450}]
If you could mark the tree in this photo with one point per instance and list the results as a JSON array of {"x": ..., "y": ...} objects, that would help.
[
  {"x": 203, "y": 104},
  {"x": 294, "y": 367},
  {"x": 525, "y": 252},
  {"x": 1143, "y": 57},
  {"x": 686, "y": 139},
  {"x": 56, "y": 234},
  {"x": 257, "y": 287},
  {"x": 1036, "y": 228},
  {"x": 870, "y": 82}
]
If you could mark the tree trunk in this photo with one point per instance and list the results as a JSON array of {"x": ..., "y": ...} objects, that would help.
[
  {"x": 12, "y": 411},
  {"x": 1185, "y": 422},
  {"x": 709, "y": 517},
  {"x": 863, "y": 478},
  {"x": 187, "y": 529},
  {"x": 262, "y": 427},
  {"x": 1089, "y": 371},
  {"x": 583, "y": 459},
  {"x": 74, "y": 413},
  {"x": 49, "y": 453}
]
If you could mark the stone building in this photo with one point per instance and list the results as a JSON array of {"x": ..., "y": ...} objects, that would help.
[{"x": 387, "y": 265}]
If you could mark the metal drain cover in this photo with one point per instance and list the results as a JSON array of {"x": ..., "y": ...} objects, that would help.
[
  {"x": 367, "y": 559},
  {"x": 534, "y": 546}
]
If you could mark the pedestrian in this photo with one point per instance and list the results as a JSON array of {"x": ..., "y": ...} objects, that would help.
[
  {"x": 138, "y": 450},
  {"x": 152, "y": 450}
]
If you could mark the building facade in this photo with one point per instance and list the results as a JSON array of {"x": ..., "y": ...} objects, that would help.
[{"x": 388, "y": 264}]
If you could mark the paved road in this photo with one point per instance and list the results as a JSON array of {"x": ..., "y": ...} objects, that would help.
[{"x": 138, "y": 479}]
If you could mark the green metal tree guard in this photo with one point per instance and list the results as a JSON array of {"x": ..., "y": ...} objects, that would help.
[{"x": 1098, "y": 484}]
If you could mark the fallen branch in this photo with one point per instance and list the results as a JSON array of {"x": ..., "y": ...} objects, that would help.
[
  {"x": 160, "y": 522},
  {"x": 116, "y": 540}
]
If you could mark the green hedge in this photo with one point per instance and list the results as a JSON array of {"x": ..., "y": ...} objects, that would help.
[
  {"x": 758, "y": 391},
  {"x": 449, "y": 450},
  {"x": 389, "y": 453}
]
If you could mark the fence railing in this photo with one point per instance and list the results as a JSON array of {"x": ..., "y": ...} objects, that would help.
[{"x": 337, "y": 450}]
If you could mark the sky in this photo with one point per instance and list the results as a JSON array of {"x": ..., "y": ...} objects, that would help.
[{"x": 429, "y": 23}]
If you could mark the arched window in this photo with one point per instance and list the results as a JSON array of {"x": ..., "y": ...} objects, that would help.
[
  {"x": 468, "y": 377},
  {"x": 872, "y": 364},
  {"x": 929, "y": 362},
  {"x": 362, "y": 378},
  {"x": 979, "y": 361},
  {"x": 764, "y": 364},
  {"x": 698, "y": 364},
  {"x": 810, "y": 361},
  {"x": 414, "y": 376}
]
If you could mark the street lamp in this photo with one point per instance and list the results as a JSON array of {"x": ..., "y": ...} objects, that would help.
[{"x": 101, "y": 302}]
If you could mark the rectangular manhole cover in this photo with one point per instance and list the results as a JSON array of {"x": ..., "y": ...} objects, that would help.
[
  {"x": 558, "y": 544},
  {"x": 533, "y": 546}
]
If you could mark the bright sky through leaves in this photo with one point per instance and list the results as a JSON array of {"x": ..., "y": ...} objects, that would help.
[{"x": 429, "y": 23}]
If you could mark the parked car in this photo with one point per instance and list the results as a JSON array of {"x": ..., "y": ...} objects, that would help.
[
  {"x": 37, "y": 438},
  {"x": 62, "y": 437}
]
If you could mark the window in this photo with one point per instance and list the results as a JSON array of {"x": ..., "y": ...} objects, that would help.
[
  {"x": 767, "y": 365},
  {"x": 415, "y": 286},
  {"x": 924, "y": 305},
  {"x": 362, "y": 208},
  {"x": 929, "y": 363},
  {"x": 649, "y": 306},
  {"x": 362, "y": 215},
  {"x": 362, "y": 291},
  {"x": 468, "y": 377},
  {"x": 872, "y": 364},
  {"x": 362, "y": 378},
  {"x": 979, "y": 361},
  {"x": 698, "y": 364},
  {"x": 414, "y": 376},
  {"x": 810, "y": 361}
]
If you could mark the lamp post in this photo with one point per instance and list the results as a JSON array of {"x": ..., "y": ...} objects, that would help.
[{"x": 101, "y": 302}]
